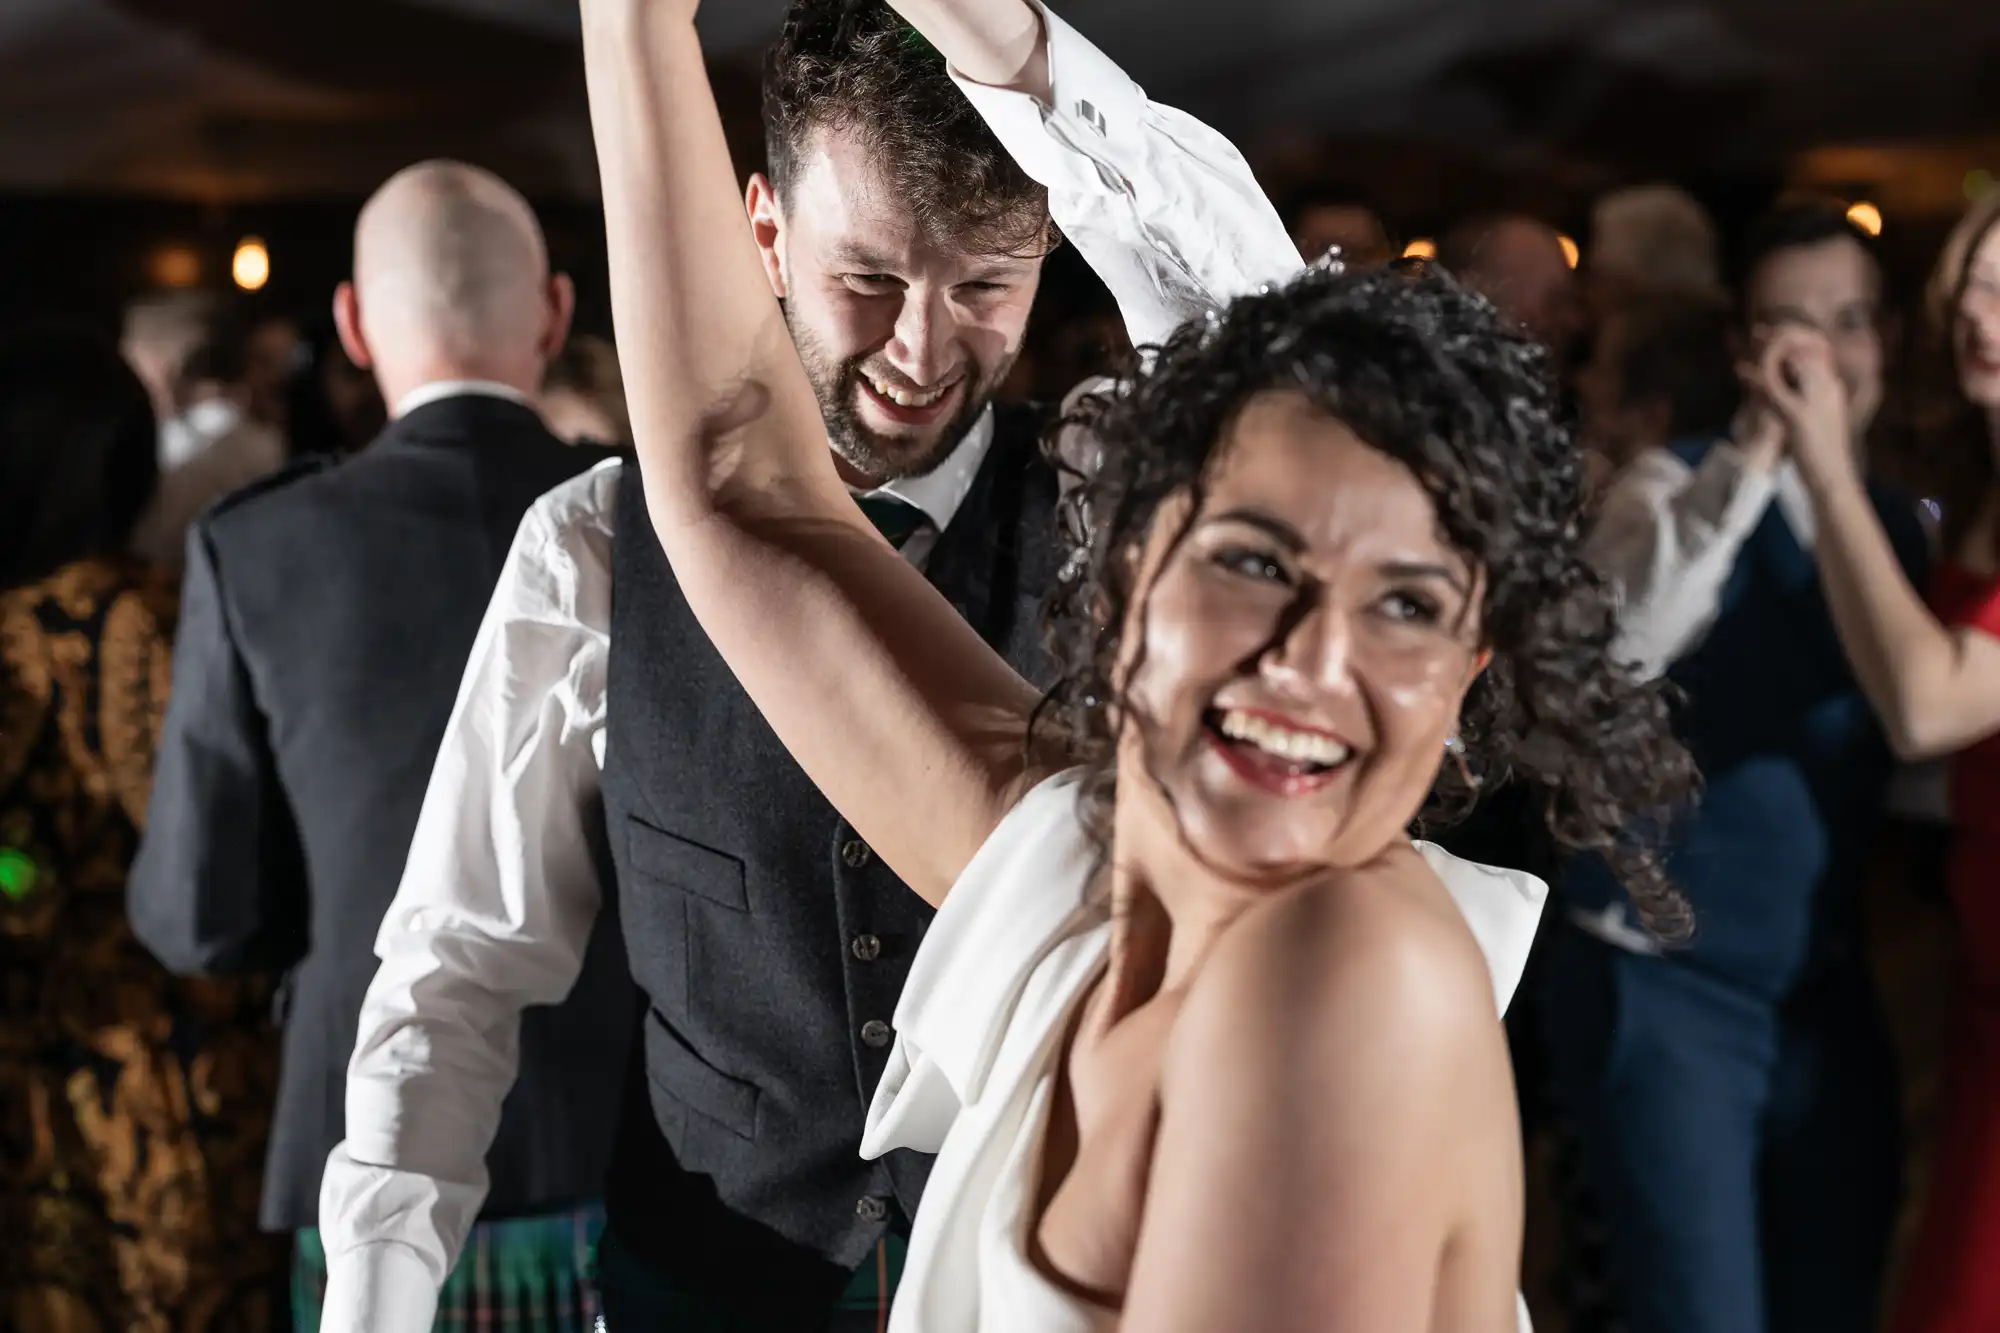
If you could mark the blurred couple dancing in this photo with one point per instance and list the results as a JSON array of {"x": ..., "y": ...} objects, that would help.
[{"x": 1200, "y": 1038}]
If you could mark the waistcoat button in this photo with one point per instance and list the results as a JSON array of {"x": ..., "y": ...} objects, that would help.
[
  {"x": 876, "y": 1033},
  {"x": 855, "y": 854},
  {"x": 867, "y": 947},
  {"x": 871, "y": 1209}
]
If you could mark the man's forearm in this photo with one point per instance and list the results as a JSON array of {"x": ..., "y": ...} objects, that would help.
[
  {"x": 1166, "y": 210},
  {"x": 1668, "y": 539}
]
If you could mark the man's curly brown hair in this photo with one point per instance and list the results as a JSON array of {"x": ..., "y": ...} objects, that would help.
[
  {"x": 1430, "y": 374},
  {"x": 854, "y": 66}
]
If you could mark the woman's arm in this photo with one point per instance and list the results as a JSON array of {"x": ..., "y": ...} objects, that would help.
[
  {"x": 999, "y": 43},
  {"x": 891, "y": 704},
  {"x": 1337, "y": 1126},
  {"x": 1935, "y": 689}
]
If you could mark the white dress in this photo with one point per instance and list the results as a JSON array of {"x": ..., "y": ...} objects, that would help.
[{"x": 979, "y": 1030}]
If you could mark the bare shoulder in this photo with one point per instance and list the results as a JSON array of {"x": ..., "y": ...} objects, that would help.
[
  {"x": 1370, "y": 967},
  {"x": 1336, "y": 1129}
]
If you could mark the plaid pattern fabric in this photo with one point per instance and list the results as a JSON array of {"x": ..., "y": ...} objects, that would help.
[
  {"x": 873, "y": 1285},
  {"x": 521, "y": 1275}
]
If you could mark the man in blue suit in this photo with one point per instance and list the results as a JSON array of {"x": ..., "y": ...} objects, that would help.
[{"x": 1733, "y": 1095}]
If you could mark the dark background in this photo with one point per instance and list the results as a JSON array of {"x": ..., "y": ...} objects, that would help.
[{"x": 135, "y": 132}]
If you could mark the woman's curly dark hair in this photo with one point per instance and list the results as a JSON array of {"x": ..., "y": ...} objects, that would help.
[{"x": 1433, "y": 376}]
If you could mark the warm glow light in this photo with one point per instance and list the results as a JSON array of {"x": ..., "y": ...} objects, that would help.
[
  {"x": 1421, "y": 248},
  {"x": 1866, "y": 216},
  {"x": 1570, "y": 252},
  {"x": 175, "y": 265},
  {"x": 252, "y": 265},
  {"x": 1977, "y": 182}
]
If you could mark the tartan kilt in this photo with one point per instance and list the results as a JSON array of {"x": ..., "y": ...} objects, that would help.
[{"x": 519, "y": 1275}]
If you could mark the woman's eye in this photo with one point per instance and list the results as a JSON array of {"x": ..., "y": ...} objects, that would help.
[
  {"x": 1412, "y": 608},
  {"x": 1252, "y": 564}
]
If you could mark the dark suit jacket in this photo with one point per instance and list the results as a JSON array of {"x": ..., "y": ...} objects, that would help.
[{"x": 328, "y": 616}]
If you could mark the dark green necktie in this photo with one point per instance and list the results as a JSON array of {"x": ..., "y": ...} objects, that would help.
[{"x": 898, "y": 520}]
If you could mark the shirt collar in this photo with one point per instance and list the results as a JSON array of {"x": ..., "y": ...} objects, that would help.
[
  {"x": 438, "y": 390},
  {"x": 943, "y": 489}
]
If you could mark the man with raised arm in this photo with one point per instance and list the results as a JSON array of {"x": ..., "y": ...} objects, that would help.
[{"x": 772, "y": 944}]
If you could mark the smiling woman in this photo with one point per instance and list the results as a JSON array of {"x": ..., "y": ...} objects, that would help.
[
  {"x": 1233, "y": 1063},
  {"x": 1378, "y": 442}
]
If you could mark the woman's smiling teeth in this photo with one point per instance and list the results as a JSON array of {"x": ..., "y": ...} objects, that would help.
[
  {"x": 1300, "y": 747},
  {"x": 905, "y": 397}
]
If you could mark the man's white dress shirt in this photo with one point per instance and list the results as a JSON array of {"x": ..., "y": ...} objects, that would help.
[
  {"x": 501, "y": 888},
  {"x": 496, "y": 903}
]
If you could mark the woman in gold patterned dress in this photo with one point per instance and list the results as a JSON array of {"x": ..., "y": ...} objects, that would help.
[{"x": 133, "y": 1106}]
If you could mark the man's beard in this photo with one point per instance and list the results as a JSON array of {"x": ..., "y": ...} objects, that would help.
[{"x": 885, "y": 458}]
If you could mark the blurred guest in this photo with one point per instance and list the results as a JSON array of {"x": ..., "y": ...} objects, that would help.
[
  {"x": 1324, "y": 216},
  {"x": 583, "y": 394},
  {"x": 1734, "y": 1097},
  {"x": 1933, "y": 676},
  {"x": 272, "y": 352},
  {"x": 1520, "y": 265},
  {"x": 1660, "y": 370},
  {"x": 189, "y": 352},
  {"x": 328, "y": 617},
  {"x": 1651, "y": 240},
  {"x": 332, "y": 406},
  {"x": 1817, "y": 271},
  {"x": 133, "y": 1107}
]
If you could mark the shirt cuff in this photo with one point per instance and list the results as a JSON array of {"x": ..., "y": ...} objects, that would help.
[
  {"x": 380, "y": 1288},
  {"x": 1095, "y": 113},
  {"x": 1728, "y": 490}
]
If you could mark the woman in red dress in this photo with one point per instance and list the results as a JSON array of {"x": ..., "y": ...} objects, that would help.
[{"x": 1934, "y": 677}]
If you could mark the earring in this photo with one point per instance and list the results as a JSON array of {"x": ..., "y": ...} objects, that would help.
[{"x": 1455, "y": 747}]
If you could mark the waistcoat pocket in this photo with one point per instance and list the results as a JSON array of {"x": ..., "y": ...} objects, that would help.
[
  {"x": 675, "y": 862},
  {"x": 677, "y": 1070}
]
